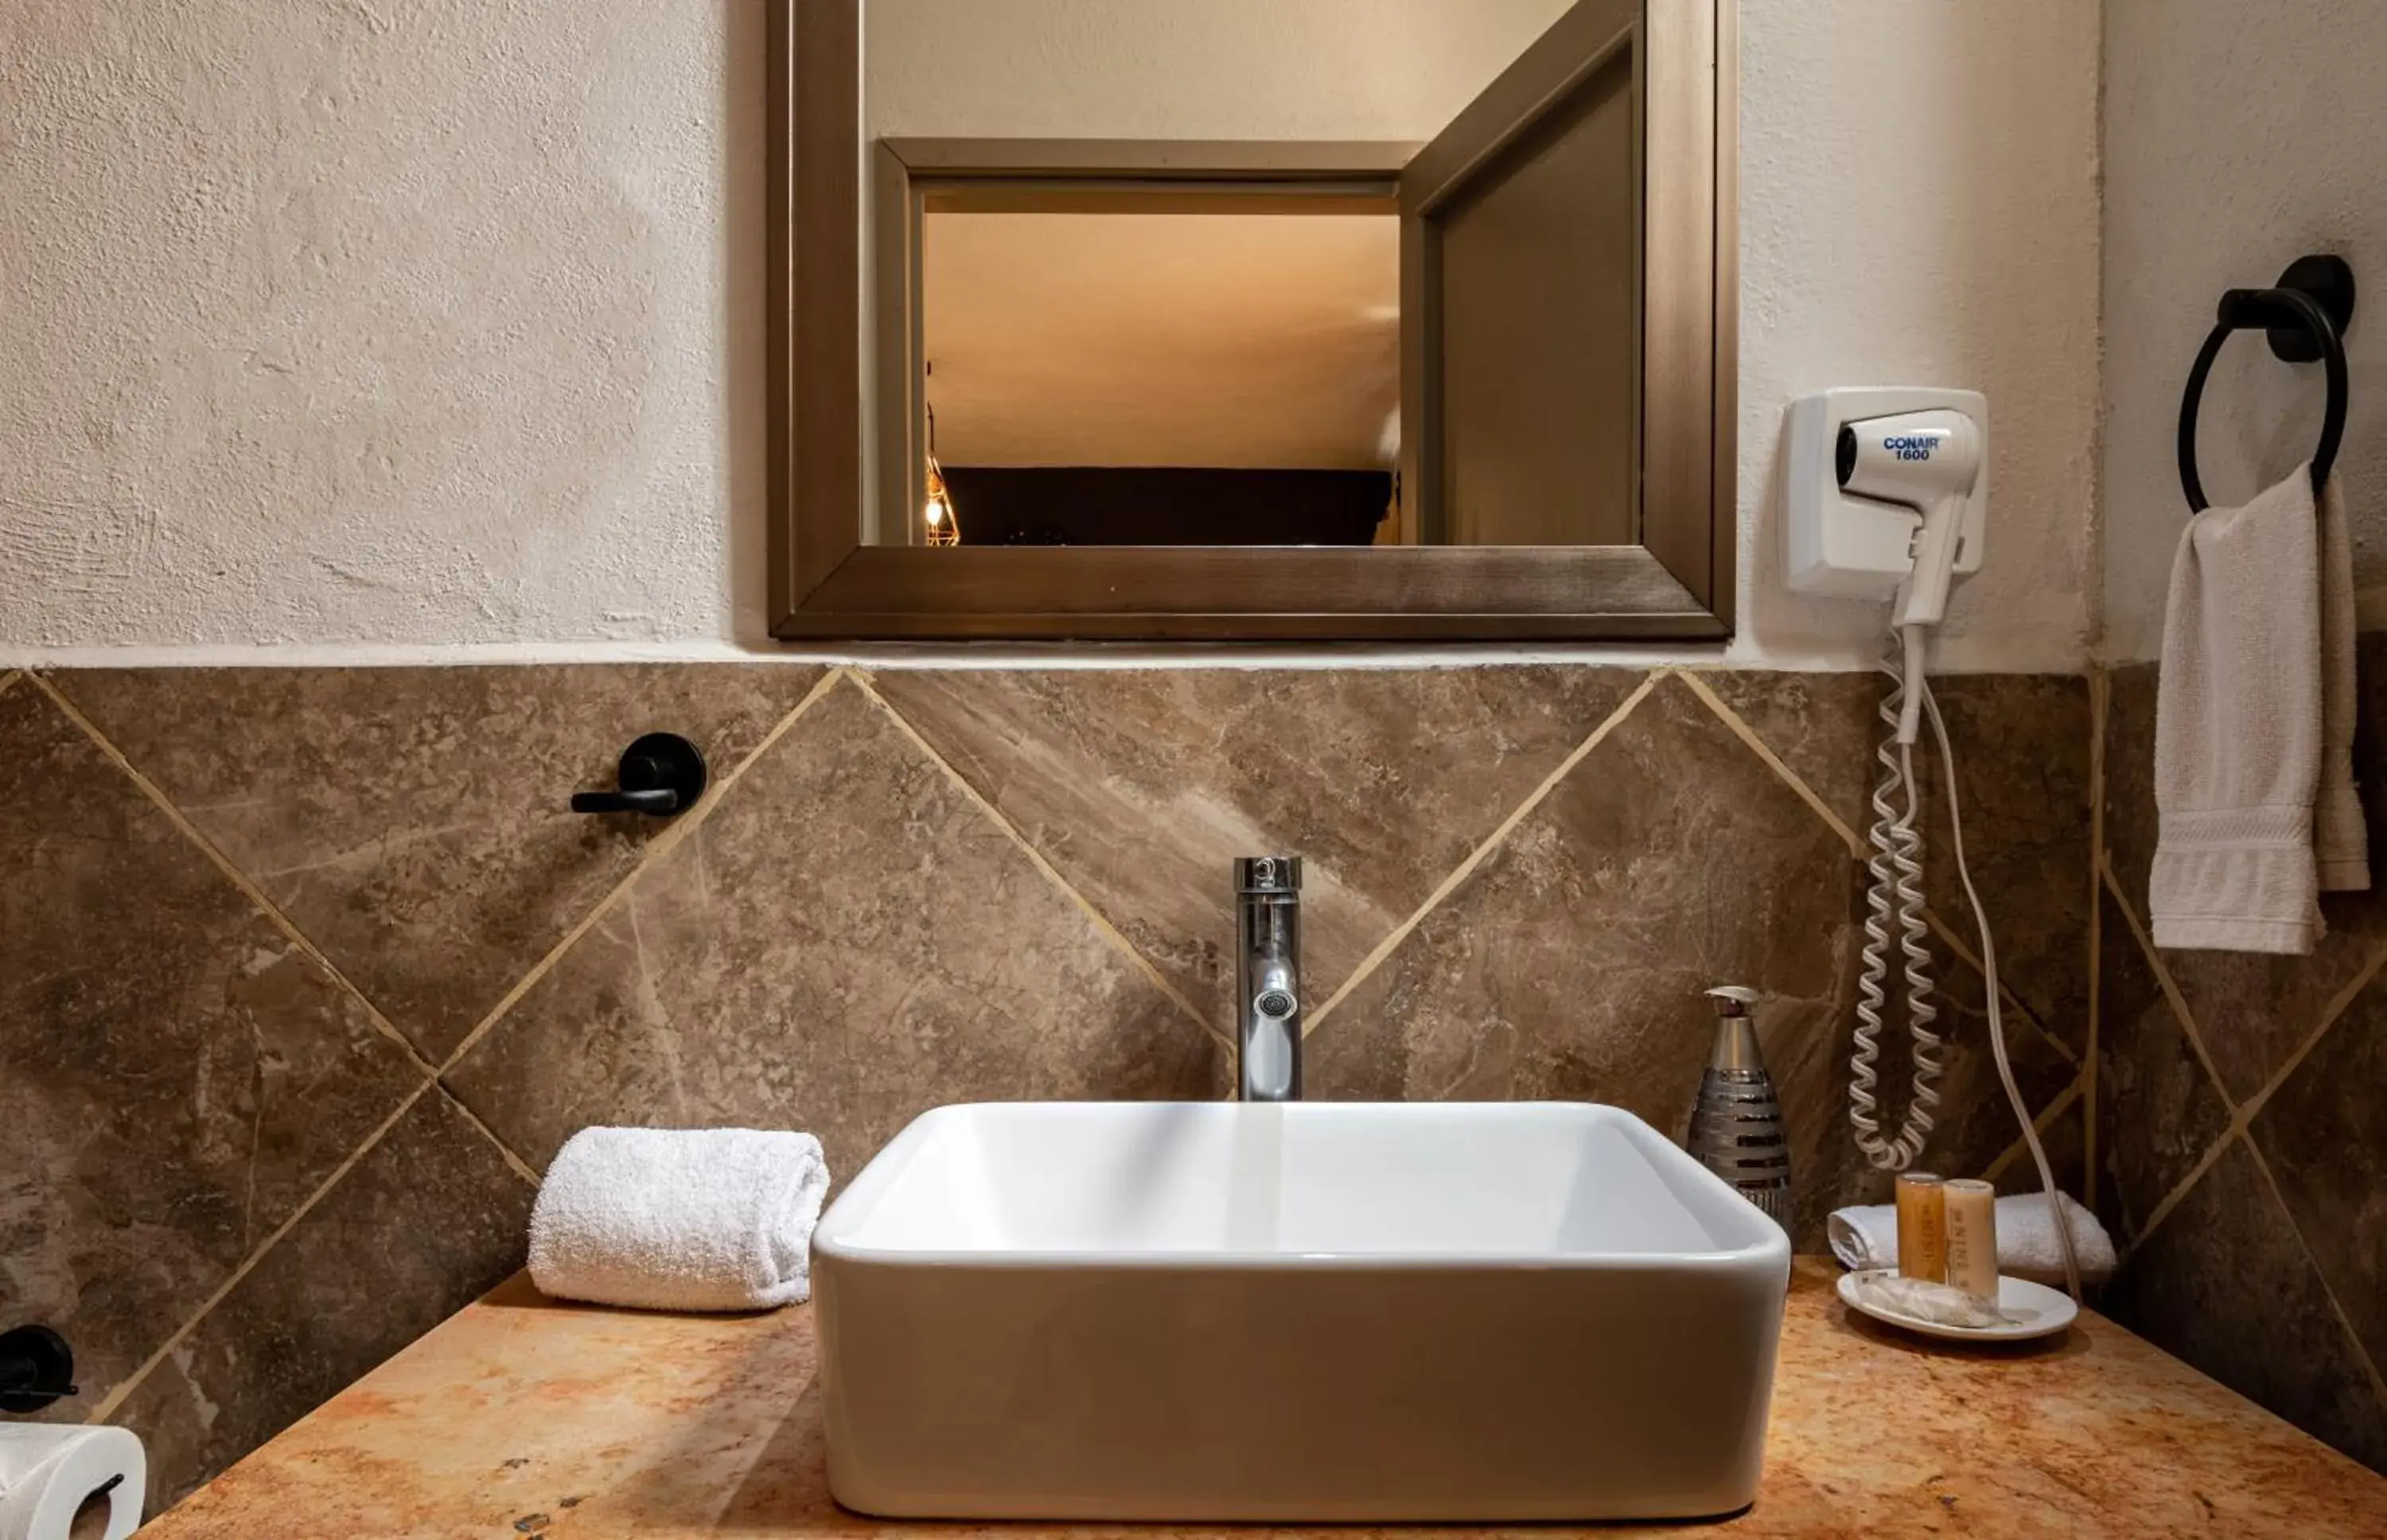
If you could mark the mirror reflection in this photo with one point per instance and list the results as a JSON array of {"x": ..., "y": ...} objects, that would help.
[
  {"x": 1210, "y": 272},
  {"x": 1165, "y": 379}
]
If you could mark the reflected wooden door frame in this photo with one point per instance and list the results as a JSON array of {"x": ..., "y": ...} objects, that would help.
[{"x": 828, "y": 578}]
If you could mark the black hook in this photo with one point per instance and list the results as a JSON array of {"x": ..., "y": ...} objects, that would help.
[
  {"x": 36, "y": 1368},
  {"x": 660, "y": 774},
  {"x": 2305, "y": 316}
]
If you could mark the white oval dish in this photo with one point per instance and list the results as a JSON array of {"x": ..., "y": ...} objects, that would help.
[{"x": 2041, "y": 1311}]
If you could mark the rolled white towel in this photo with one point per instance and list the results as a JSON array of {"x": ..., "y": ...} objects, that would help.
[
  {"x": 680, "y": 1218},
  {"x": 1867, "y": 1237}
]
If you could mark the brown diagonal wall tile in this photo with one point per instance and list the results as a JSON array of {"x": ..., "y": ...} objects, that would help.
[
  {"x": 1141, "y": 786},
  {"x": 2238, "y": 1279},
  {"x": 1570, "y": 964},
  {"x": 175, "y": 1075},
  {"x": 2251, "y": 1011},
  {"x": 429, "y": 1220},
  {"x": 1825, "y": 727},
  {"x": 2157, "y": 1111},
  {"x": 2065, "y": 1137},
  {"x": 2130, "y": 815},
  {"x": 413, "y": 821},
  {"x": 2022, "y": 761},
  {"x": 2225, "y": 1284},
  {"x": 847, "y": 941},
  {"x": 1972, "y": 1124},
  {"x": 849, "y": 938},
  {"x": 2021, "y": 746},
  {"x": 1572, "y": 961},
  {"x": 1806, "y": 1046},
  {"x": 1983, "y": 1121},
  {"x": 2325, "y": 1135}
]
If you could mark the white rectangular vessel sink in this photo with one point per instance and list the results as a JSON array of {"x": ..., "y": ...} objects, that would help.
[{"x": 1313, "y": 1311}]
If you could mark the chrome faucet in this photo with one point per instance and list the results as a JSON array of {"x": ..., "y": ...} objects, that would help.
[{"x": 1268, "y": 977}]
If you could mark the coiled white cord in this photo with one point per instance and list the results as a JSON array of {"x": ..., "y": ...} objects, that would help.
[
  {"x": 1897, "y": 895},
  {"x": 1895, "y": 899}
]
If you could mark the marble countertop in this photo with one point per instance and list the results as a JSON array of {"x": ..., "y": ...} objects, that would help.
[{"x": 523, "y": 1417}]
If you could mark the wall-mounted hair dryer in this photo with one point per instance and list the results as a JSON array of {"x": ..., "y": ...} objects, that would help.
[
  {"x": 1852, "y": 521},
  {"x": 1927, "y": 460},
  {"x": 1889, "y": 499}
]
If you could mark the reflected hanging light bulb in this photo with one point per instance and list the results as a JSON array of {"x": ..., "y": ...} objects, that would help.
[
  {"x": 937, "y": 514},
  {"x": 940, "y": 527}
]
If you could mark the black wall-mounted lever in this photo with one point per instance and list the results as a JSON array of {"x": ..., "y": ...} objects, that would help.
[
  {"x": 36, "y": 1368},
  {"x": 660, "y": 774}
]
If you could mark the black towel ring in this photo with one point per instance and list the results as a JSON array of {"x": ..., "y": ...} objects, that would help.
[{"x": 2307, "y": 316}]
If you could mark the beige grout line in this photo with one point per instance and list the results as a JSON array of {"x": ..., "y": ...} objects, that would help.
[
  {"x": 429, "y": 1082},
  {"x": 1036, "y": 857},
  {"x": 2178, "y": 1004},
  {"x": 2241, "y": 1115},
  {"x": 233, "y": 873},
  {"x": 2101, "y": 699},
  {"x": 2046, "y": 1119},
  {"x": 272, "y": 912},
  {"x": 2008, "y": 1000},
  {"x": 514, "y": 1163},
  {"x": 2083, "y": 1086},
  {"x": 1747, "y": 734},
  {"x": 2171, "y": 1200},
  {"x": 274, "y": 915},
  {"x": 2329, "y": 1014},
  {"x": 2170, "y": 986},
  {"x": 2240, "y": 1127},
  {"x": 663, "y": 844},
  {"x": 117, "y": 1397},
  {"x": 1856, "y": 846},
  {"x": 1476, "y": 857},
  {"x": 2327, "y": 1291},
  {"x": 2242, "y": 1118},
  {"x": 10, "y": 678}
]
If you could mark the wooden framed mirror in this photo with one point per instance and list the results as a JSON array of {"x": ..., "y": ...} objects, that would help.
[{"x": 1474, "y": 383}]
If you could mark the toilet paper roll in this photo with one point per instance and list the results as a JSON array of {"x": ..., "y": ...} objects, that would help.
[{"x": 47, "y": 1472}]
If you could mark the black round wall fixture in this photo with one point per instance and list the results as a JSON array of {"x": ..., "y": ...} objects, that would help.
[
  {"x": 661, "y": 775},
  {"x": 2329, "y": 282},
  {"x": 36, "y": 1368}
]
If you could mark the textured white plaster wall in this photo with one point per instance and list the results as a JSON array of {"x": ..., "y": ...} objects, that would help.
[
  {"x": 398, "y": 328},
  {"x": 1919, "y": 206},
  {"x": 2239, "y": 135},
  {"x": 407, "y": 320}
]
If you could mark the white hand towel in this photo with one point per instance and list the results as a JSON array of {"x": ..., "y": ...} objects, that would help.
[
  {"x": 2239, "y": 730},
  {"x": 1867, "y": 1237},
  {"x": 2341, "y": 841},
  {"x": 680, "y": 1218}
]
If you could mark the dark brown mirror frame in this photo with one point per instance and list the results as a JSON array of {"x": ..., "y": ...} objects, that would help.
[{"x": 825, "y": 581}]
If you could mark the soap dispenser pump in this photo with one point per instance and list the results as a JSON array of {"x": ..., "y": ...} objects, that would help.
[{"x": 1736, "y": 1124}]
